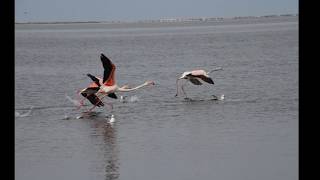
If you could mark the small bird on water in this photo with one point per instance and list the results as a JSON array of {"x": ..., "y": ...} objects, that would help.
[{"x": 112, "y": 119}]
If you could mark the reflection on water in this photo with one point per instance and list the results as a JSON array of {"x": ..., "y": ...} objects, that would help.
[
  {"x": 101, "y": 127},
  {"x": 251, "y": 134}
]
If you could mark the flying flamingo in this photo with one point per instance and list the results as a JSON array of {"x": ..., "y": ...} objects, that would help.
[
  {"x": 194, "y": 77},
  {"x": 107, "y": 86}
]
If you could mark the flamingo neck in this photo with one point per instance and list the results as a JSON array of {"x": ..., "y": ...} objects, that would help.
[
  {"x": 108, "y": 89},
  {"x": 121, "y": 89}
]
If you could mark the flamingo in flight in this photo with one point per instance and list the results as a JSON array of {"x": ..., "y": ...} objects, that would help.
[
  {"x": 107, "y": 86},
  {"x": 195, "y": 77}
]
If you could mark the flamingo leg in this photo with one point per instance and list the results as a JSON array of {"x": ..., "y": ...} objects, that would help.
[
  {"x": 182, "y": 88},
  {"x": 81, "y": 103},
  {"x": 102, "y": 96},
  {"x": 94, "y": 106},
  {"x": 80, "y": 100},
  {"x": 79, "y": 107},
  {"x": 177, "y": 83},
  {"x": 87, "y": 112}
]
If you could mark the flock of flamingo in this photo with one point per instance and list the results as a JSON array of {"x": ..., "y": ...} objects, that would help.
[
  {"x": 99, "y": 88},
  {"x": 107, "y": 86}
]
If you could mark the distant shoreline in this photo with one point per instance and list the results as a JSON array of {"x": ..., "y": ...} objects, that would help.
[{"x": 167, "y": 20}]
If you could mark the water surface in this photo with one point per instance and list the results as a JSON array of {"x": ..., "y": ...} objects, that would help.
[{"x": 252, "y": 134}]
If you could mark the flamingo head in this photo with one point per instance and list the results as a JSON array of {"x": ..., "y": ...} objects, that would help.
[
  {"x": 125, "y": 86},
  {"x": 149, "y": 82}
]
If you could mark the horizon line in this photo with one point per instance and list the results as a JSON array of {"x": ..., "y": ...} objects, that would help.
[{"x": 176, "y": 19}]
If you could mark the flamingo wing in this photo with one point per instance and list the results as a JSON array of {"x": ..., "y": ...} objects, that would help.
[
  {"x": 89, "y": 93},
  {"x": 94, "y": 79},
  {"x": 95, "y": 100},
  {"x": 206, "y": 79},
  {"x": 195, "y": 81},
  {"x": 109, "y": 69},
  {"x": 113, "y": 95},
  {"x": 92, "y": 89}
]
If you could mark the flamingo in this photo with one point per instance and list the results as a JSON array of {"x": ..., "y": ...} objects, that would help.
[
  {"x": 194, "y": 77},
  {"x": 107, "y": 86}
]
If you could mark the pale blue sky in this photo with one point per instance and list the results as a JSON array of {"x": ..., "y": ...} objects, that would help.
[{"x": 133, "y": 10}]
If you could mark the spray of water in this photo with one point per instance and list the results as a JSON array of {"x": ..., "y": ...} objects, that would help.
[
  {"x": 73, "y": 101},
  {"x": 126, "y": 99},
  {"x": 17, "y": 114}
]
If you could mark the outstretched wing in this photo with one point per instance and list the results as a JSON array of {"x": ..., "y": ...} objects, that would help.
[
  {"x": 195, "y": 81},
  {"x": 95, "y": 100},
  {"x": 92, "y": 89},
  {"x": 89, "y": 93},
  {"x": 96, "y": 80},
  {"x": 109, "y": 69},
  {"x": 206, "y": 79}
]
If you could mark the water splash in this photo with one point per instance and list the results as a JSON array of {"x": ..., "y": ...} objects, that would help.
[
  {"x": 73, "y": 101},
  {"x": 17, "y": 114},
  {"x": 134, "y": 98},
  {"x": 221, "y": 98},
  {"x": 66, "y": 117},
  {"x": 112, "y": 119},
  {"x": 125, "y": 99}
]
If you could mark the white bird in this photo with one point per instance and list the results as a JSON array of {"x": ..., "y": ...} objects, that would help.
[
  {"x": 194, "y": 77},
  {"x": 112, "y": 120},
  {"x": 106, "y": 86}
]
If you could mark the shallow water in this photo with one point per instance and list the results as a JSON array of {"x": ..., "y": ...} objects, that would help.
[{"x": 251, "y": 134}]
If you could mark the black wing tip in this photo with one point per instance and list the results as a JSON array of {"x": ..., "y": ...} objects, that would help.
[
  {"x": 104, "y": 58},
  {"x": 94, "y": 79},
  {"x": 113, "y": 95},
  {"x": 210, "y": 81}
]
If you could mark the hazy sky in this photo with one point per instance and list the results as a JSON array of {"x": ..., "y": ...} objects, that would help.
[{"x": 132, "y": 10}]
